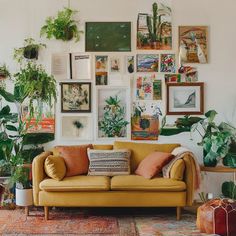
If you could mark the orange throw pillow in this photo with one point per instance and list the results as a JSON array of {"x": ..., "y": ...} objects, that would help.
[
  {"x": 75, "y": 157},
  {"x": 153, "y": 163}
]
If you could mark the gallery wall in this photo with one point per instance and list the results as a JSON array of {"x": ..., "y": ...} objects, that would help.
[{"x": 21, "y": 19}]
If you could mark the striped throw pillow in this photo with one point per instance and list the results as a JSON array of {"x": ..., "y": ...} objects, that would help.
[{"x": 109, "y": 162}]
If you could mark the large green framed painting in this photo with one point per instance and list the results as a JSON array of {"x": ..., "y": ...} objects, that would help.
[{"x": 108, "y": 36}]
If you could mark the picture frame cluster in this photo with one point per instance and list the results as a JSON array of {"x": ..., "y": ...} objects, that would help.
[{"x": 111, "y": 80}]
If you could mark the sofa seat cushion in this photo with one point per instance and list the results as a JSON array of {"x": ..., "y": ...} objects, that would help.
[
  {"x": 76, "y": 183},
  {"x": 136, "y": 182}
]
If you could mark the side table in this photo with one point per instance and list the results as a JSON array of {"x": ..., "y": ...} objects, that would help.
[{"x": 220, "y": 169}]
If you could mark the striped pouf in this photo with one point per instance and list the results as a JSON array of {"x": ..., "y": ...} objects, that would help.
[{"x": 217, "y": 216}]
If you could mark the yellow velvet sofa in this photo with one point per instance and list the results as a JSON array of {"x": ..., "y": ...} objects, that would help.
[{"x": 118, "y": 191}]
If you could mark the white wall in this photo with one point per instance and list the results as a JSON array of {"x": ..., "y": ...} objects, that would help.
[{"x": 20, "y": 19}]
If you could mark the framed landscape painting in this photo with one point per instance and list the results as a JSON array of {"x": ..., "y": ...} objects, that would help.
[
  {"x": 193, "y": 44},
  {"x": 76, "y": 97},
  {"x": 147, "y": 62},
  {"x": 185, "y": 98}
]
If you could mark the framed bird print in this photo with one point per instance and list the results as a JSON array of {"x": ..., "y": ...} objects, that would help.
[
  {"x": 185, "y": 98},
  {"x": 193, "y": 44}
]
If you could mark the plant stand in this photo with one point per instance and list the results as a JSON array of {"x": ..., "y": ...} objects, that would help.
[{"x": 24, "y": 197}]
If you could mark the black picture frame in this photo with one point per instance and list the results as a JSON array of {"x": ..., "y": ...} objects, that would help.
[{"x": 75, "y": 97}]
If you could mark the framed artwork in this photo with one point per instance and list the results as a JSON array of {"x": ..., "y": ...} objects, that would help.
[
  {"x": 115, "y": 64},
  {"x": 76, "y": 127},
  {"x": 168, "y": 63},
  {"x": 193, "y": 44},
  {"x": 185, "y": 98},
  {"x": 107, "y": 36},
  {"x": 76, "y": 97},
  {"x": 147, "y": 62},
  {"x": 81, "y": 66},
  {"x": 159, "y": 38},
  {"x": 157, "y": 90},
  {"x": 145, "y": 121},
  {"x": 172, "y": 78},
  {"x": 45, "y": 125},
  {"x": 129, "y": 64},
  {"x": 101, "y": 70},
  {"x": 112, "y": 112}
]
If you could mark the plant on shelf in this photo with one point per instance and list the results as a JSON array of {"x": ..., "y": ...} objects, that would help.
[
  {"x": 216, "y": 139},
  {"x": 62, "y": 27},
  {"x": 34, "y": 83},
  {"x": 30, "y": 50},
  {"x": 113, "y": 123},
  {"x": 4, "y": 72}
]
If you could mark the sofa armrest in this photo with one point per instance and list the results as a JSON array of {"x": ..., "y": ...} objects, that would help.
[
  {"x": 189, "y": 178},
  {"x": 38, "y": 174}
]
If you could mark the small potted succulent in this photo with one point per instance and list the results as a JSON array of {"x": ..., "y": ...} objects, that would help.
[
  {"x": 4, "y": 72},
  {"x": 62, "y": 27},
  {"x": 30, "y": 50}
]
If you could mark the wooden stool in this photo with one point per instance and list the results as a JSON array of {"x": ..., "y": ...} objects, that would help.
[{"x": 217, "y": 216}]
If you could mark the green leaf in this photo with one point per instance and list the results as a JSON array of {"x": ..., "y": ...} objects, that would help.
[
  {"x": 229, "y": 189},
  {"x": 5, "y": 111},
  {"x": 11, "y": 128},
  {"x": 7, "y": 96},
  {"x": 211, "y": 115}
]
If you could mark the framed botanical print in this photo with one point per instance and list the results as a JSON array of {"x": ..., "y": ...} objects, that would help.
[
  {"x": 185, "y": 98},
  {"x": 76, "y": 97}
]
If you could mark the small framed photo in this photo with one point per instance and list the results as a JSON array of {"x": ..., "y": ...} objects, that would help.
[
  {"x": 101, "y": 69},
  {"x": 76, "y": 97},
  {"x": 115, "y": 64},
  {"x": 185, "y": 98}
]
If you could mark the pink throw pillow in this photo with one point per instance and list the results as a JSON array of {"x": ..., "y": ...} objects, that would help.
[{"x": 153, "y": 163}]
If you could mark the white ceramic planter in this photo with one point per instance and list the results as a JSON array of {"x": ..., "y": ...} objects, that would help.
[{"x": 24, "y": 197}]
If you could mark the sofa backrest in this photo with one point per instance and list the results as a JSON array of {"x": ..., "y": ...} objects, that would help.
[{"x": 140, "y": 150}]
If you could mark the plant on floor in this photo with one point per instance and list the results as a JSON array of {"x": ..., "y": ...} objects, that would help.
[
  {"x": 62, "y": 27},
  {"x": 30, "y": 50},
  {"x": 216, "y": 139},
  {"x": 113, "y": 123}
]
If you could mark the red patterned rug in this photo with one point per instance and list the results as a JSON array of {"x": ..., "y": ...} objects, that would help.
[{"x": 98, "y": 222}]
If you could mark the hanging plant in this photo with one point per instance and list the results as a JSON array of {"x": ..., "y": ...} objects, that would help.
[
  {"x": 33, "y": 82},
  {"x": 30, "y": 50},
  {"x": 62, "y": 27},
  {"x": 4, "y": 72}
]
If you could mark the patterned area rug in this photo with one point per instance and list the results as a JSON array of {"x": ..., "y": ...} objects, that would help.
[{"x": 98, "y": 222}]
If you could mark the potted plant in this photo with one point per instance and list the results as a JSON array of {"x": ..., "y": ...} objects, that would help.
[
  {"x": 113, "y": 122},
  {"x": 4, "y": 72},
  {"x": 30, "y": 50},
  {"x": 33, "y": 82},
  {"x": 216, "y": 139},
  {"x": 62, "y": 27}
]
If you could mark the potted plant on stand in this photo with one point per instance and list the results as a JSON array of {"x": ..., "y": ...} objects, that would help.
[
  {"x": 216, "y": 139},
  {"x": 21, "y": 178}
]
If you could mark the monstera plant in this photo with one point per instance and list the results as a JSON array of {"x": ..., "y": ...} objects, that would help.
[{"x": 216, "y": 139}]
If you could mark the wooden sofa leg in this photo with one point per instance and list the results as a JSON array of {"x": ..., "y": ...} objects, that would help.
[
  {"x": 178, "y": 213},
  {"x": 46, "y": 212}
]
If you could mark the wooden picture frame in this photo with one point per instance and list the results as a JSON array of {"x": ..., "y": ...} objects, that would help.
[
  {"x": 76, "y": 97},
  {"x": 185, "y": 98}
]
